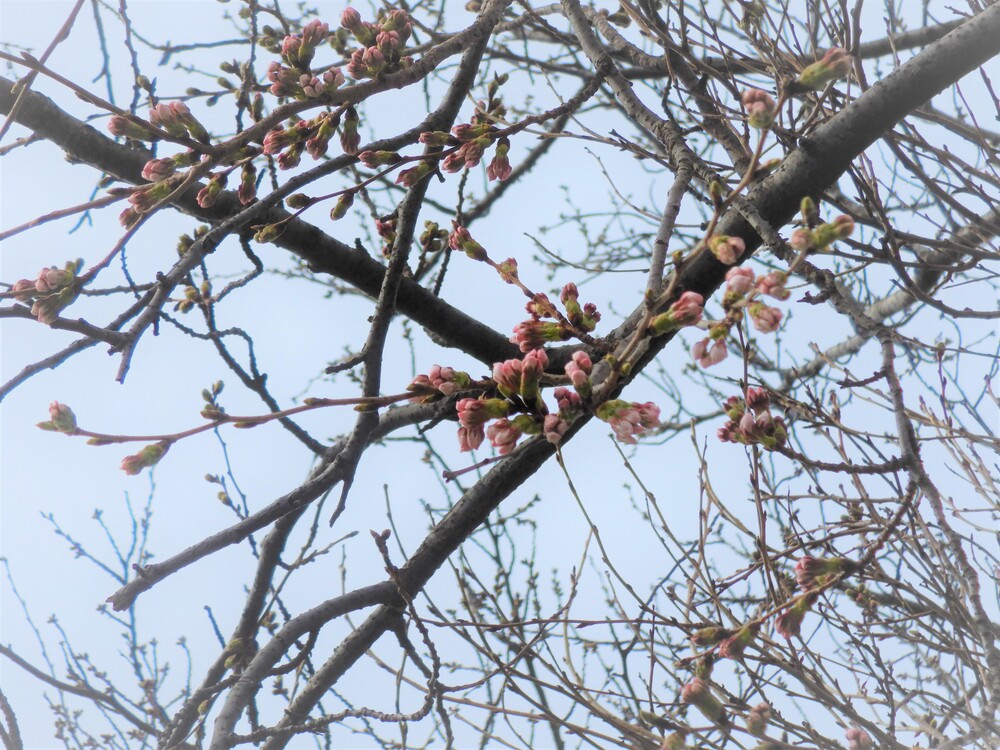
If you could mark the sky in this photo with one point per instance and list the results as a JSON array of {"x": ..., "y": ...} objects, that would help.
[{"x": 297, "y": 332}]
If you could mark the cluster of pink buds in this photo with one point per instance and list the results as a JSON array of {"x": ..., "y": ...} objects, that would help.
[
  {"x": 177, "y": 120},
  {"x": 469, "y": 141},
  {"x": 148, "y": 456},
  {"x": 461, "y": 239},
  {"x": 209, "y": 194},
  {"x": 382, "y": 43},
  {"x": 686, "y": 311},
  {"x": 697, "y": 693},
  {"x": 742, "y": 293},
  {"x": 760, "y": 108},
  {"x": 726, "y": 249},
  {"x": 473, "y": 414},
  {"x": 51, "y": 292},
  {"x": 295, "y": 78},
  {"x": 833, "y": 66},
  {"x": 578, "y": 371},
  {"x": 313, "y": 136},
  {"x": 521, "y": 378},
  {"x": 440, "y": 381},
  {"x": 750, "y": 421},
  {"x": 628, "y": 419},
  {"x": 814, "y": 572}
]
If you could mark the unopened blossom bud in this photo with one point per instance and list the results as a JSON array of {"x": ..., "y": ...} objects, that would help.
[
  {"x": 716, "y": 191},
  {"x": 710, "y": 636},
  {"x": 374, "y": 159},
  {"x": 119, "y": 125},
  {"x": 789, "y": 622},
  {"x": 707, "y": 353},
  {"x": 410, "y": 177},
  {"x": 508, "y": 270},
  {"x": 499, "y": 168},
  {"x": 166, "y": 117},
  {"x": 315, "y": 33},
  {"x": 858, "y": 739},
  {"x": 350, "y": 19},
  {"x": 554, "y": 427},
  {"x": 697, "y": 693},
  {"x": 209, "y": 194},
  {"x": 53, "y": 279},
  {"x": 814, "y": 571},
  {"x": 532, "y": 334},
  {"x": 461, "y": 239},
  {"x": 726, "y": 249},
  {"x": 183, "y": 115},
  {"x": 247, "y": 191},
  {"x": 435, "y": 138},
  {"x": 295, "y": 201},
  {"x": 503, "y": 435},
  {"x": 23, "y": 290},
  {"x": 507, "y": 376},
  {"x": 834, "y": 65},
  {"x": 473, "y": 412},
  {"x": 629, "y": 419},
  {"x": 344, "y": 203},
  {"x": 773, "y": 285},
  {"x": 739, "y": 281},
  {"x": 840, "y": 228},
  {"x": 809, "y": 211},
  {"x": 129, "y": 217},
  {"x": 158, "y": 169},
  {"x": 61, "y": 419},
  {"x": 148, "y": 456},
  {"x": 758, "y": 399},
  {"x": 765, "y": 319},
  {"x": 578, "y": 371},
  {"x": 758, "y": 719},
  {"x": 532, "y": 368},
  {"x": 734, "y": 646},
  {"x": 267, "y": 233},
  {"x": 760, "y": 108},
  {"x": 801, "y": 240},
  {"x": 686, "y": 311}
]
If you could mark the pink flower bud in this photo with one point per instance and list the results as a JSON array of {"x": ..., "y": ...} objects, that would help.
[
  {"x": 707, "y": 353},
  {"x": 858, "y": 739},
  {"x": 158, "y": 169},
  {"x": 62, "y": 418},
  {"x": 148, "y": 456},
  {"x": 686, "y": 311},
  {"x": 470, "y": 438},
  {"x": 350, "y": 19},
  {"x": 23, "y": 290},
  {"x": 461, "y": 239},
  {"x": 765, "y": 319},
  {"x": 773, "y": 285},
  {"x": 697, "y": 693},
  {"x": 726, "y": 249},
  {"x": 758, "y": 719},
  {"x": 760, "y": 108},
  {"x": 554, "y": 427},
  {"x": 834, "y": 65},
  {"x": 739, "y": 281},
  {"x": 503, "y": 435}
]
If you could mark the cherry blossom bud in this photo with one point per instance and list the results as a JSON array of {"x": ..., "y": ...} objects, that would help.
[
  {"x": 707, "y": 353},
  {"x": 578, "y": 371},
  {"x": 375, "y": 159},
  {"x": 801, "y": 240},
  {"x": 532, "y": 334},
  {"x": 158, "y": 169},
  {"x": 773, "y": 285},
  {"x": 350, "y": 139},
  {"x": 507, "y": 376},
  {"x": 474, "y": 412},
  {"x": 629, "y": 419},
  {"x": 532, "y": 368},
  {"x": 840, "y": 228},
  {"x": 53, "y": 279},
  {"x": 760, "y": 108},
  {"x": 686, "y": 311},
  {"x": 789, "y": 622},
  {"x": 62, "y": 419},
  {"x": 23, "y": 290},
  {"x": 765, "y": 319},
  {"x": 834, "y": 65},
  {"x": 733, "y": 646},
  {"x": 460, "y": 239},
  {"x": 209, "y": 194},
  {"x": 710, "y": 636},
  {"x": 508, "y": 270},
  {"x": 247, "y": 191},
  {"x": 739, "y": 281},
  {"x": 410, "y": 177},
  {"x": 148, "y": 456},
  {"x": 119, "y": 125},
  {"x": 435, "y": 138},
  {"x": 697, "y": 693},
  {"x": 344, "y": 203},
  {"x": 554, "y": 427},
  {"x": 809, "y": 211},
  {"x": 499, "y": 168},
  {"x": 503, "y": 435},
  {"x": 811, "y": 572},
  {"x": 726, "y": 249},
  {"x": 350, "y": 19}
]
